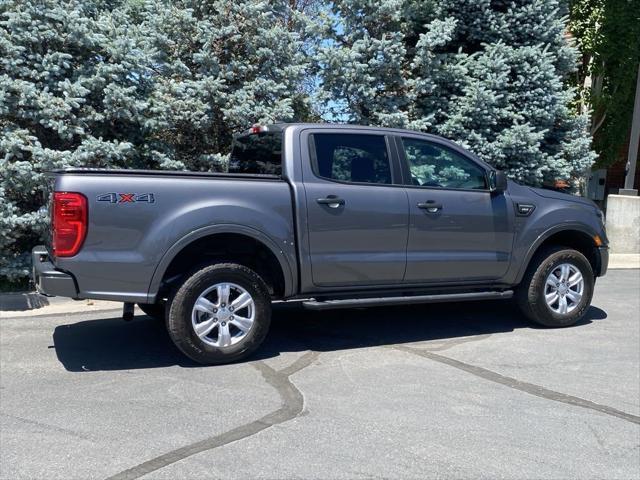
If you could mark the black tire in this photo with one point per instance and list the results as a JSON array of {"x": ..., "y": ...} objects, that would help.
[
  {"x": 179, "y": 321},
  {"x": 153, "y": 310},
  {"x": 530, "y": 293}
]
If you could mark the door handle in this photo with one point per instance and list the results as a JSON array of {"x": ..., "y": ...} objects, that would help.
[
  {"x": 430, "y": 206},
  {"x": 331, "y": 201}
]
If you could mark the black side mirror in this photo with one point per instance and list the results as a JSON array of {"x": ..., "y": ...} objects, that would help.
[{"x": 497, "y": 181}]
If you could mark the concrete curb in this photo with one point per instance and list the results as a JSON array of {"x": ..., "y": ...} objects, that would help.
[
  {"x": 27, "y": 304},
  {"x": 624, "y": 261}
]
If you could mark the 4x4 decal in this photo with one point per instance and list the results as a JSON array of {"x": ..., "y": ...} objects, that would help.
[{"x": 126, "y": 197}]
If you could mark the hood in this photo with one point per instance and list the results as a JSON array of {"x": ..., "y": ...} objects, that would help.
[{"x": 563, "y": 196}]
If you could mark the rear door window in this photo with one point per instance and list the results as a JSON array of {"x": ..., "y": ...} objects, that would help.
[{"x": 353, "y": 158}]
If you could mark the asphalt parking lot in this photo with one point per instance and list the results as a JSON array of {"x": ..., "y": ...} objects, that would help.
[{"x": 465, "y": 391}]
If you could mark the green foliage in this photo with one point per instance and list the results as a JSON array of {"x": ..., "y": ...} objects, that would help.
[
  {"x": 608, "y": 35},
  {"x": 69, "y": 87},
  {"x": 221, "y": 67},
  {"x": 488, "y": 74}
]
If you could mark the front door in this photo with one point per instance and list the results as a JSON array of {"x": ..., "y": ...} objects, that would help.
[
  {"x": 357, "y": 221},
  {"x": 459, "y": 231}
]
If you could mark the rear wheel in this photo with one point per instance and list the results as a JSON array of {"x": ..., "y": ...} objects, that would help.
[
  {"x": 557, "y": 288},
  {"x": 220, "y": 314}
]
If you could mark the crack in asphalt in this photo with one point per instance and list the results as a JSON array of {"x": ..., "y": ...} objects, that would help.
[
  {"x": 47, "y": 426},
  {"x": 489, "y": 375},
  {"x": 293, "y": 403},
  {"x": 525, "y": 387},
  {"x": 292, "y": 406},
  {"x": 440, "y": 346}
]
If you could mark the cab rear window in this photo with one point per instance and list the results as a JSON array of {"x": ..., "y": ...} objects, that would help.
[{"x": 258, "y": 153}]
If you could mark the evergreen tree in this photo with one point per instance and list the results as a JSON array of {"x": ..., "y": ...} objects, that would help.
[
  {"x": 221, "y": 66},
  {"x": 71, "y": 85},
  {"x": 487, "y": 74}
]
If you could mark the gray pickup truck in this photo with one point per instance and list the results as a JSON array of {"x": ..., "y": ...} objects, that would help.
[{"x": 333, "y": 216}]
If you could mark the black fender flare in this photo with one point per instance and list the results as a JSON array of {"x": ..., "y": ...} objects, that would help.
[
  {"x": 178, "y": 246},
  {"x": 544, "y": 236}
]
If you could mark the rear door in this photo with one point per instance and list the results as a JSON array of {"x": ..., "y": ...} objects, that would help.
[
  {"x": 459, "y": 231},
  {"x": 357, "y": 210}
]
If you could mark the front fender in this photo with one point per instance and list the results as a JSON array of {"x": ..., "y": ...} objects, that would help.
[{"x": 548, "y": 233}]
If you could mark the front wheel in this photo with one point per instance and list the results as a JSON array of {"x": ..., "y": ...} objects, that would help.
[
  {"x": 557, "y": 288},
  {"x": 220, "y": 314}
]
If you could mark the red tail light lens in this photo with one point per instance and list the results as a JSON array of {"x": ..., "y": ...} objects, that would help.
[
  {"x": 68, "y": 222},
  {"x": 258, "y": 129}
]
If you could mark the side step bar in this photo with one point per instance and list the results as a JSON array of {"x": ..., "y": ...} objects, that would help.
[{"x": 386, "y": 301}]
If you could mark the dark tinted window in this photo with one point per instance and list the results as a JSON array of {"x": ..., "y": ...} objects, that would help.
[
  {"x": 432, "y": 165},
  {"x": 257, "y": 153},
  {"x": 351, "y": 157}
]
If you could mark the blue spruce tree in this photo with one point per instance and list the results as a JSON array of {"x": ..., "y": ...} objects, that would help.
[
  {"x": 72, "y": 80},
  {"x": 488, "y": 74}
]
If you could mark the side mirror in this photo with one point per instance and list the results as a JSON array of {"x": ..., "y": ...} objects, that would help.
[{"x": 497, "y": 181}]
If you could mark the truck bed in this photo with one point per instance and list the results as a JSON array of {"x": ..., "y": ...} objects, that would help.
[{"x": 137, "y": 216}]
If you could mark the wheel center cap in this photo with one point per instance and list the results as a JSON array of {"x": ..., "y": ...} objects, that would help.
[{"x": 562, "y": 289}]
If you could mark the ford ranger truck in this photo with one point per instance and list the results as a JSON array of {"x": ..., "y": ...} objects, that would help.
[{"x": 334, "y": 216}]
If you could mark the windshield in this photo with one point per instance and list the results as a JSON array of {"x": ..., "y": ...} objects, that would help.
[{"x": 257, "y": 154}]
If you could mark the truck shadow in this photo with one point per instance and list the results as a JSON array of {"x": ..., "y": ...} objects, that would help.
[{"x": 111, "y": 344}]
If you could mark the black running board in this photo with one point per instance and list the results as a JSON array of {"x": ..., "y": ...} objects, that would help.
[{"x": 386, "y": 301}]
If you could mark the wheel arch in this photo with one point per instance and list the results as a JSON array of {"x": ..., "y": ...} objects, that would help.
[
  {"x": 575, "y": 236},
  {"x": 191, "y": 244}
]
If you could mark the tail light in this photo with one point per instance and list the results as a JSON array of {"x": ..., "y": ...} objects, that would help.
[
  {"x": 68, "y": 222},
  {"x": 257, "y": 128}
]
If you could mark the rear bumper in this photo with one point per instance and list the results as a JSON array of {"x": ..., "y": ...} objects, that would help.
[
  {"x": 48, "y": 280},
  {"x": 603, "y": 255}
]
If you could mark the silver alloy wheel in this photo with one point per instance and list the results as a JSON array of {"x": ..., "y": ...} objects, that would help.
[
  {"x": 564, "y": 288},
  {"x": 223, "y": 314}
]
